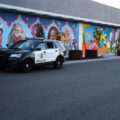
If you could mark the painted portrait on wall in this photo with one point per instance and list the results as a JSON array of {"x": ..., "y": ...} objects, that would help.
[
  {"x": 17, "y": 27},
  {"x": 53, "y": 33},
  {"x": 1, "y": 35},
  {"x": 37, "y": 31},
  {"x": 16, "y": 34}
]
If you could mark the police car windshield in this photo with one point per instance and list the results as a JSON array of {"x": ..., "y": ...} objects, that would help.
[{"x": 25, "y": 45}]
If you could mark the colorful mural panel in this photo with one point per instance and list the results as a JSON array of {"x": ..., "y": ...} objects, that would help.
[
  {"x": 101, "y": 38},
  {"x": 15, "y": 27}
]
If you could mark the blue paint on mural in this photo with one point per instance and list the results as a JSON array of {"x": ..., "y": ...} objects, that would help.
[
  {"x": 8, "y": 18},
  {"x": 29, "y": 20},
  {"x": 15, "y": 27},
  {"x": 45, "y": 22},
  {"x": 107, "y": 37}
]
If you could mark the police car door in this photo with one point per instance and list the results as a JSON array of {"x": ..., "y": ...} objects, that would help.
[
  {"x": 52, "y": 52},
  {"x": 40, "y": 53}
]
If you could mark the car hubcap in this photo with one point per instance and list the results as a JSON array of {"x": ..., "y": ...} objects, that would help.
[
  {"x": 59, "y": 63},
  {"x": 27, "y": 65}
]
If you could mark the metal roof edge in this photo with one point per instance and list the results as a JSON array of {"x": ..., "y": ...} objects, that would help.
[{"x": 22, "y": 9}]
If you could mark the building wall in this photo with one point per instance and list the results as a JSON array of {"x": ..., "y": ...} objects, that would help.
[
  {"x": 74, "y": 36},
  {"x": 78, "y": 8},
  {"x": 17, "y": 26},
  {"x": 109, "y": 38}
]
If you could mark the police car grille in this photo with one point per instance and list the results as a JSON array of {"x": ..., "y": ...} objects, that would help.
[
  {"x": 2, "y": 59},
  {"x": 13, "y": 62}
]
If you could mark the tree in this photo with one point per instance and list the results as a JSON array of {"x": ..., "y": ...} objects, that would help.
[
  {"x": 40, "y": 31},
  {"x": 97, "y": 35}
]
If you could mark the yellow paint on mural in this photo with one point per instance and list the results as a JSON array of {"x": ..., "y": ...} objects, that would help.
[
  {"x": 85, "y": 25},
  {"x": 66, "y": 38},
  {"x": 102, "y": 37},
  {"x": 88, "y": 34},
  {"x": 117, "y": 42},
  {"x": 65, "y": 35}
]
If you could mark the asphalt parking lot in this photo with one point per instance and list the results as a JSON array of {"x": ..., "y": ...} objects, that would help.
[{"x": 82, "y": 91}]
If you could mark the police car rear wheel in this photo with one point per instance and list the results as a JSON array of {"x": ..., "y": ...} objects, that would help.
[
  {"x": 27, "y": 66},
  {"x": 58, "y": 64}
]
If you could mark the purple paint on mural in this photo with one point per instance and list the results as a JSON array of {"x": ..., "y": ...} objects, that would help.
[
  {"x": 60, "y": 23},
  {"x": 29, "y": 20},
  {"x": 9, "y": 18},
  {"x": 45, "y": 22}
]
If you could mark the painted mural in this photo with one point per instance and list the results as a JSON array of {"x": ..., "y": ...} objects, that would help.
[
  {"x": 101, "y": 38},
  {"x": 15, "y": 27}
]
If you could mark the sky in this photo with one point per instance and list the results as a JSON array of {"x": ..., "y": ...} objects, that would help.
[{"x": 113, "y": 3}]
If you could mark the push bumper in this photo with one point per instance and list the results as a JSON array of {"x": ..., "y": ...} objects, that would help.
[{"x": 10, "y": 63}]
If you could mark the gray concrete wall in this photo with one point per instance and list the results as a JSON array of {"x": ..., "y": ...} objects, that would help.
[{"x": 77, "y": 8}]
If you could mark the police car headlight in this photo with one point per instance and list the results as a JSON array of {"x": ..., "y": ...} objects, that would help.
[{"x": 16, "y": 55}]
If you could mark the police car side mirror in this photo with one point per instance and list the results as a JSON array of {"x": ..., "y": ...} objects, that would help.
[{"x": 7, "y": 45}]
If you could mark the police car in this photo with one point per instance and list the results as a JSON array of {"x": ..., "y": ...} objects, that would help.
[{"x": 26, "y": 54}]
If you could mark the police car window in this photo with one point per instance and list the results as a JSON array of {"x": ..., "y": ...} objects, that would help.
[
  {"x": 59, "y": 45},
  {"x": 55, "y": 45},
  {"x": 26, "y": 45},
  {"x": 16, "y": 44},
  {"x": 41, "y": 46},
  {"x": 50, "y": 45}
]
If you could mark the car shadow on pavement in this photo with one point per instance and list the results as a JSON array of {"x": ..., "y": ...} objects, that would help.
[{"x": 36, "y": 69}]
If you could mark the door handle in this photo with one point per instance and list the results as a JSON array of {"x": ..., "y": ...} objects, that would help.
[
  {"x": 44, "y": 52},
  {"x": 56, "y": 50}
]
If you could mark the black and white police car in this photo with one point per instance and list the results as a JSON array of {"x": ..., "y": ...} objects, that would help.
[{"x": 29, "y": 53}]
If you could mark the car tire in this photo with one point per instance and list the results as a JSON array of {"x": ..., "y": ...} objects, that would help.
[
  {"x": 27, "y": 66},
  {"x": 58, "y": 63}
]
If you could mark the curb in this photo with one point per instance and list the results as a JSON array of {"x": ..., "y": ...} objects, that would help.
[{"x": 105, "y": 58}]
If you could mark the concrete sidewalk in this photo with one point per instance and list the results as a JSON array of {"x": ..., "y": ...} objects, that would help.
[{"x": 100, "y": 58}]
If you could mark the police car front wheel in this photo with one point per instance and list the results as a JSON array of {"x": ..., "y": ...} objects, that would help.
[
  {"x": 27, "y": 66},
  {"x": 58, "y": 63}
]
